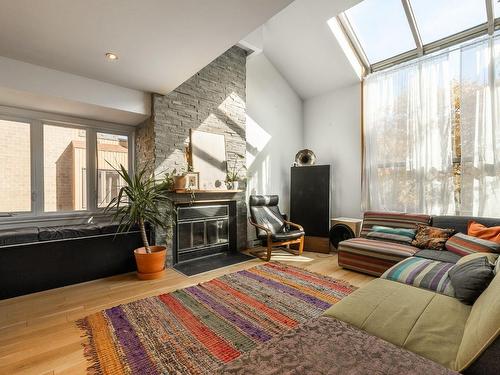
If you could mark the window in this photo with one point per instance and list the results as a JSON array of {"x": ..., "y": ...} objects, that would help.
[
  {"x": 65, "y": 164},
  {"x": 15, "y": 167},
  {"x": 58, "y": 165},
  {"x": 112, "y": 151},
  {"x": 381, "y": 37},
  {"x": 384, "y": 33},
  {"x": 431, "y": 133}
]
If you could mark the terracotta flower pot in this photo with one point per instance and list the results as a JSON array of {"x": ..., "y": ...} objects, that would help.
[{"x": 150, "y": 266}]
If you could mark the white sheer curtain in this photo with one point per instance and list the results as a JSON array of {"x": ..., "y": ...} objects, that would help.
[
  {"x": 432, "y": 134},
  {"x": 408, "y": 161},
  {"x": 480, "y": 129}
]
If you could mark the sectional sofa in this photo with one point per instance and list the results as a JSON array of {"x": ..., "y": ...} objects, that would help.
[
  {"x": 374, "y": 257},
  {"x": 407, "y": 321}
]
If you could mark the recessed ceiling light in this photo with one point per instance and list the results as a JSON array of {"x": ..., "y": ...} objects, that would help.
[{"x": 111, "y": 56}]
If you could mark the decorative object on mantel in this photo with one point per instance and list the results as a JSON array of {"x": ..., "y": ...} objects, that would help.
[
  {"x": 196, "y": 329},
  {"x": 173, "y": 181},
  {"x": 136, "y": 203},
  {"x": 208, "y": 157},
  {"x": 305, "y": 157},
  {"x": 192, "y": 180},
  {"x": 233, "y": 171}
]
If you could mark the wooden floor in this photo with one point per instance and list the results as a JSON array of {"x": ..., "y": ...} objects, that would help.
[{"x": 38, "y": 334}]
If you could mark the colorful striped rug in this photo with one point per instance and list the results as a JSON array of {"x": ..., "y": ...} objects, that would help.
[{"x": 197, "y": 329}]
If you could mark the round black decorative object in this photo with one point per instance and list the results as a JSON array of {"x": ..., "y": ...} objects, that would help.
[
  {"x": 340, "y": 232},
  {"x": 305, "y": 157}
]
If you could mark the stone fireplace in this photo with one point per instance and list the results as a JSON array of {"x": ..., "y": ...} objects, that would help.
[{"x": 212, "y": 100}]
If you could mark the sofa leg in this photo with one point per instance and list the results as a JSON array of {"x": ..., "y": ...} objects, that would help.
[{"x": 301, "y": 245}]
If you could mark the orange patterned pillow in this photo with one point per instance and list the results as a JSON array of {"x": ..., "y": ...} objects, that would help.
[
  {"x": 431, "y": 237},
  {"x": 481, "y": 231}
]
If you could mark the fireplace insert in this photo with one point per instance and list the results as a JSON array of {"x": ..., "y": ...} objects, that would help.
[{"x": 203, "y": 230}]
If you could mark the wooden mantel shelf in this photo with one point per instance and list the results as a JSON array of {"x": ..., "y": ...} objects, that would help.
[{"x": 208, "y": 191}]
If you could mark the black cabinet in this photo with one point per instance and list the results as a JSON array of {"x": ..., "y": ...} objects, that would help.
[{"x": 310, "y": 199}]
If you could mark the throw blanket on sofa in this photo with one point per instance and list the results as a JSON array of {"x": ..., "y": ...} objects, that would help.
[{"x": 330, "y": 346}]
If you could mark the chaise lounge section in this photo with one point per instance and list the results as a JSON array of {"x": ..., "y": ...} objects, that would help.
[{"x": 436, "y": 326}]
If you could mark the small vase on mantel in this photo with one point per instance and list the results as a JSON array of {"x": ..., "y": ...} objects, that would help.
[{"x": 232, "y": 185}]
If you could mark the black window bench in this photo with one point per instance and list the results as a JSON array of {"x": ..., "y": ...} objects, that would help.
[{"x": 40, "y": 258}]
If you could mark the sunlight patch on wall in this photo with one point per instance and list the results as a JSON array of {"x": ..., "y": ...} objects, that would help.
[
  {"x": 257, "y": 139},
  {"x": 227, "y": 108}
]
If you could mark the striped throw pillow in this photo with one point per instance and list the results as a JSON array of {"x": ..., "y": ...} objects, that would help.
[
  {"x": 392, "y": 220},
  {"x": 463, "y": 244},
  {"x": 422, "y": 273},
  {"x": 382, "y": 236},
  {"x": 399, "y": 231}
]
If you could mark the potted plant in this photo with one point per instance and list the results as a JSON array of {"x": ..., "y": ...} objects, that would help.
[
  {"x": 233, "y": 172},
  {"x": 138, "y": 202}
]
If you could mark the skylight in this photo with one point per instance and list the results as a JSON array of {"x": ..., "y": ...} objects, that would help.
[
  {"x": 387, "y": 32},
  {"x": 381, "y": 37},
  {"x": 442, "y": 18}
]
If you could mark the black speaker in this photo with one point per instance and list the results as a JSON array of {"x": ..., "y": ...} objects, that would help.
[
  {"x": 310, "y": 199},
  {"x": 340, "y": 232}
]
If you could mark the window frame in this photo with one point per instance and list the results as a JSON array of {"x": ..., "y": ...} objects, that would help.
[
  {"x": 488, "y": 28},
  {"x": 37, "y": 120}
]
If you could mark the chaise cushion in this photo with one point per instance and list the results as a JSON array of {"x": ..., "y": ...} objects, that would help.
[
  {"x": 419, "y": 320},
  {"x": 423, "y": 273},
  {"x": 372, "y": 256},
  {"x": 392, "y": 220},
  {"x": 18, "y": 235},
  {"x": 68, "y": 231}
]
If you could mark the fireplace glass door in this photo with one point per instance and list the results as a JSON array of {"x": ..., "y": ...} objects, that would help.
[{"x": 202, "y": 231}]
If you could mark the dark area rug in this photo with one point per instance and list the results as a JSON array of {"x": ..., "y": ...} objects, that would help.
[{"x": 194, "y": 267}]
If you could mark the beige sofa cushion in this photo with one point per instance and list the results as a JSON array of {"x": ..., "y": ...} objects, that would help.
[
  {"x": 419, "y": 320},
  {"x": 482, "y": 326}
]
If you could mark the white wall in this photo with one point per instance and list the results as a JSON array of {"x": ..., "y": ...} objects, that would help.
[
  {"x": 274, "y": 130},
  {"x": 332, "y": 129},
  {"x": 34, "y": 87}
]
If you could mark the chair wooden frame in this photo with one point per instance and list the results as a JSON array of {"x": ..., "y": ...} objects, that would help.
[{"x": 271, "y": 244}]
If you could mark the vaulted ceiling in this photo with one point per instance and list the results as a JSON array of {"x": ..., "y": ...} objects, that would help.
[
  {"x": 300, "y": 44},
  {"x": 160, "y": 43}
]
